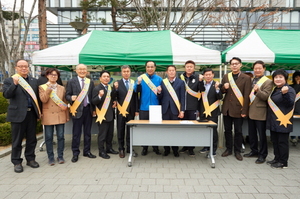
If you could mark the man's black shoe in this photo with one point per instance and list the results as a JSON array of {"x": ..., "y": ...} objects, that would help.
[
  {"x": 157, "y": 152},
  {"x": 166, "y": 153},
  {"x": 18, "y": 168},
  {"x": 251, "y": 155},
  {"x": 33, "y": 164},
  {"x": 89, "y": 155},
  {"x": 104, "y": 155},
  {"x": 144, "y": 152},
  {"x": 111, "y": 151},
  {"x": 183, "y": 150},
  {"x": 260, "y": 160},
  {"x": 74, "y": 158},
  {"x": 272, "y": 162},
  {"x": 176, "y": 154}
]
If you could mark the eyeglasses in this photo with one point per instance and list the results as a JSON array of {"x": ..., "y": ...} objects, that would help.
[
  {"x": 53, "y": 75},
  {"x": 234, "y": 64}
]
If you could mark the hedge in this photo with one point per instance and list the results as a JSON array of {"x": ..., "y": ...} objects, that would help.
[
  {"x": 5, "y": 134},
  {"x": 3, "y": 104}
]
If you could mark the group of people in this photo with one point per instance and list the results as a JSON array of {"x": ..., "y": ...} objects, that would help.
[{"x": 267, "y": 104}]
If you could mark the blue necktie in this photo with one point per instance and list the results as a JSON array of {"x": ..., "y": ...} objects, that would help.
[
  {"x": 126, "y": 84},
  {"x": 85, "y": 99}
]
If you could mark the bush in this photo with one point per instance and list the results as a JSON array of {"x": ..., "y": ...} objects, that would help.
[
  {"x": 5, "y": 134},
  {"x": 3, "y": 104},
  {"x": 3, "y": 118}
]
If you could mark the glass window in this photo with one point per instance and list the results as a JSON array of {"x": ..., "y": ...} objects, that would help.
[
  {"x": 286, "y": 17},
  {"x": 65, "y": 17}
]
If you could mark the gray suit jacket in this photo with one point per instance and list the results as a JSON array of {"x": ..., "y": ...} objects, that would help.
[
  {"x": 258, "y": 108},
  {"x": 18, "y": 102},
  {"x": 73, "y": 88}
]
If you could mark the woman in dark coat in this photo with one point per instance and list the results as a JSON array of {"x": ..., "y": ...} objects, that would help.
[{"x": 279, "y": 118}]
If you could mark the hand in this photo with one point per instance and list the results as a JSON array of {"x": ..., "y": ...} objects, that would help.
[
  {"x": 200, "y": 77},
  {"x": 137, "y": 113},
  {"x": 116, "y": 85},
  {"x": 159, "y": 89},
  {"x": 101, "y": 93},
  {"x": 94, "y": 114},
  {"x": 284, "y": 89},
  {"x": 181, "y": 114},
  {"x": 73, "y": 97},
  {"x": 114, "y": 104},
  {"x": 139, "y": 79},
  {"x": 16, "y": 80},
  {"x": 243, "y": 115},
  {"x": 226, "y": 85},
  {"x": 217, "y": 84},
  {"x": 256, "y": 88}
]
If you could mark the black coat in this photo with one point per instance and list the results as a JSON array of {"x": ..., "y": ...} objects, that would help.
[
  {"x": 297, "y": 104},
  {"x": 285, "y": 102}
]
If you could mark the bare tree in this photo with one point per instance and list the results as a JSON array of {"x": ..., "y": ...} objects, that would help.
[
  {"x": 238, "y": 20},
  {"x": 12, "y": 47},
  {"x": 42, "y": 24}
]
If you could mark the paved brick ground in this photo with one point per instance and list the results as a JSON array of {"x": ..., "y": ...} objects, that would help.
[{"x": 150, "y": 177}]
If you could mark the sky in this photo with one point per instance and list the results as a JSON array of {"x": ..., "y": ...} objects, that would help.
[{"x": 28, "y": 4}]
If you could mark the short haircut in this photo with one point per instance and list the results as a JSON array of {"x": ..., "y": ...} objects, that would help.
[
  {"x": 21, "y": 60},
  {"x": 296, "y": 73},
  {"x": 208, "y": 70},
  {"x": 235, "y": 58},
  {"x": 190, "y": 62},
  {"x": 125, "y": 67},
  {"x": 80, "y": 65},
  {"x": 150, "y": 61},
  {"x": 280, "y": 72},
  {"x": 104, "y": 71},
  {"x": 50, "y": 70},
  {"x": 170, "y": 67},
  {"x": 259, "y": 62}
]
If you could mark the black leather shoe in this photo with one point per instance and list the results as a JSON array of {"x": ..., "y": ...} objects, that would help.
[
  {"x": 251, "y": 155},
  {"x": 74, "y": 158},
  {"x": 238, "y": 156},
  {"x": 176, "y": 154},
  {"x": 33, "y": 164},
  {"x": 104, "y": 155},
  {"x": 272, "y": 162},
  {"x": 89, "y": 155},
  {"x": 157, "y": 152},
  {"x": 18, "y": 168},
  {"x": 183, "y": 150},
  {"x": 144, "y": 152},
  {"x": 166, "y": 153},
  {"x": 111, "y": 151},
  {"x": 121, "y": 154},
  {"x": 226, "y": 153},
  {"x": 260, "y": 160}
]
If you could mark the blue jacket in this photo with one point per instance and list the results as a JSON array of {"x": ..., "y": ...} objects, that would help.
[{"x": 147, "y": 97}]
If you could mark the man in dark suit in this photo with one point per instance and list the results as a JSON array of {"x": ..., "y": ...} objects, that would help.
[
  {"x": 236, "y": 86},
  {"x": 261, "y": 90},
  {"x": 172, "y": 98},
  {"x": 23, "y": 112},
  {"x": 194, "y": 87},
  {"x": 126, "y": 110},
  {"x": 209, "y": 105},
  {"x": 103, "y": 98},
  {"x": 79, "y": 95}
]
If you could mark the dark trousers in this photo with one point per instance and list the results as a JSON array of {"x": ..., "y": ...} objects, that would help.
[
  {"x": 144, "y": 115},
  {"x": 254, "y": 127},
  {"x": 189, "y": 115},
  {"x": 281, "y": 146},
  {"x": 105, "y": 135},
  {"x": 26, "y": 129},
  {"x": 238, "y": 136},
  {"x": 215, "y": 132},
  {"x": 84, "y": 121},
  {"x": 170, "y": 116},
  {"x": 123, "y": 131}
]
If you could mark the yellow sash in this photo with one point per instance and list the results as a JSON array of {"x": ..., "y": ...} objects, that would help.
[
  {"x": 23, "y": 83},
  {"x": 284, "y": 119},
  {"x": 259, "y": 83},
  {"x": 149, "y": 83},
  {"x": 123, "y": 108},
  {"x": 172, "y": 93},
  {"x": 80, "y": 97},
  {"x": 101, "y": 113},
  {"x": 189, "y": 90},
  {"x": 235, "y": 89},
  {"x": 297, "y": 97},
  {"x": 208, "y": 108},
  {"x": 54, "y": 97}
]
